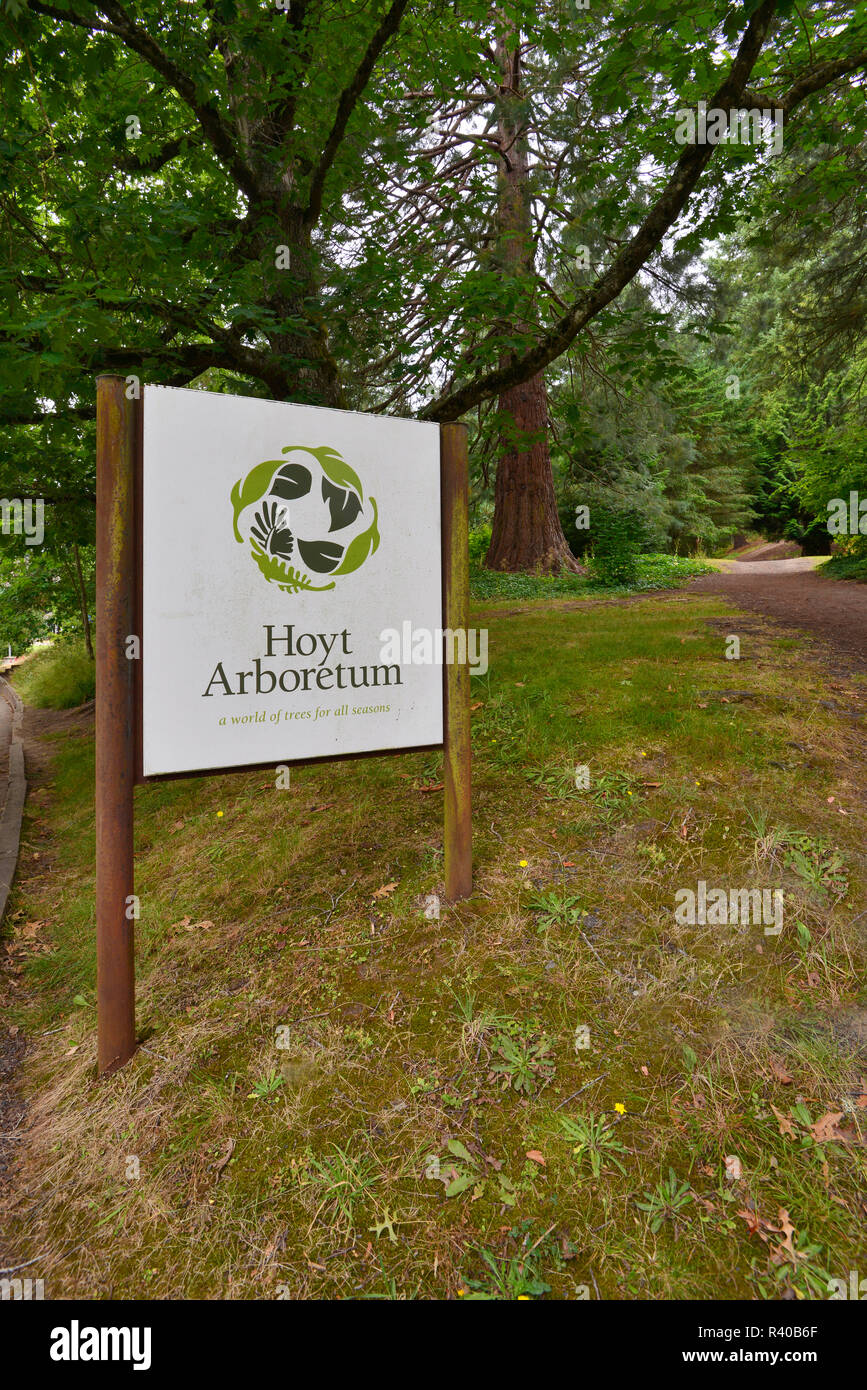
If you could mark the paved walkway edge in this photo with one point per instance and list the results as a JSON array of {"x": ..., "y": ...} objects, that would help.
[{"x": 16, "y": 791}]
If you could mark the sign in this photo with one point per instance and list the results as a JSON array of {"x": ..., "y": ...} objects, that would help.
[
  {"x": 280, "y": 545},
  {"x": 274, "y": 583}
]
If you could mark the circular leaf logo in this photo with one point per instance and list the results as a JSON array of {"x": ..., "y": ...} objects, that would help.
[{"x": 305, "y": 518}]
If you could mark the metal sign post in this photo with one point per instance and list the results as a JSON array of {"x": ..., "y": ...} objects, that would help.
[
  {"x": 116, "y": 449},
  {"x": 456, "y": 677},
  {"x": 119, "y": 661}
]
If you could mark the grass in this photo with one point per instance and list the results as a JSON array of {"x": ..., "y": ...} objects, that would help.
[
  {"x": 654, "y": 572},
  {"x": 541, "y": 1093},
  {"x": 58, "y": 676},
  {"x": 846, "y": 567}
]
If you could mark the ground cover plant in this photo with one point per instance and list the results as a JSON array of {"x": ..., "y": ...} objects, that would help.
[{"x": 553, "y": 1089}]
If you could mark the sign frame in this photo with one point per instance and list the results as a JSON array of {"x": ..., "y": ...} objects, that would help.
[{"x": 119, "y": 746}]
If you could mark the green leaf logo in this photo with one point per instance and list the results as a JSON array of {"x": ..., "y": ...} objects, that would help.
[{"x": 305, "y": 517}]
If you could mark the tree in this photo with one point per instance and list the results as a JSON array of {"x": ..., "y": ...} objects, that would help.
[
  {"x": 526, "y": 530},
  {"x": 177, "y": 187}
]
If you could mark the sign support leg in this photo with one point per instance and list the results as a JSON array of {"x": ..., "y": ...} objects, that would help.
[
  {"x": 456, "y": 677},
  {"x": 116, "y": 420}
]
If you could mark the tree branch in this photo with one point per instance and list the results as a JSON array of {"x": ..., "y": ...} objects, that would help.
[
  {"x": 388, "y": 26},
  {"x": 626, "y": 265},
  {"x": 216, "y": 131}
]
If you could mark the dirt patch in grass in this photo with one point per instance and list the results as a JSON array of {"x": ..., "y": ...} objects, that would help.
[{"x": 834, "y": 614}]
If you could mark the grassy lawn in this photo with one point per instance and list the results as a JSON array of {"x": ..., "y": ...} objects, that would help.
[
  {"x": 58, "y": 675},
  {"x": 846, "y": 567},
  {"x": 652, "y": 572},
  {"x": 555, "y": 1089}
]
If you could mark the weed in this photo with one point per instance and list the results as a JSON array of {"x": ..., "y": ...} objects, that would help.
[
  {"x": 668, "y": 1200},
  {"x": 594, "y": 1140},
  {"x": 523, "y": 1063}
]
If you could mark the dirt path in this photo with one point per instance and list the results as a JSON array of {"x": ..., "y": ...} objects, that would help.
[{"x": 832, "y": 610}]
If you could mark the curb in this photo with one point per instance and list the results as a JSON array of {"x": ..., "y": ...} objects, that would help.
[{"x": 16, "y": 791}]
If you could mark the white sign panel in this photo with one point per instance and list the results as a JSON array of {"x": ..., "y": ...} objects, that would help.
[{"x": 281, "y": 545}]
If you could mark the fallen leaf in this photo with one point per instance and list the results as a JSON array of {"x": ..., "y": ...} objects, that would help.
[
  {"x": 430, "y": 787},
  {"x": 786, "y": 1126},
  {"x": 753, "y": 1222},
  {"x": 787, "y": 1230},
  {"x": 825, "y": 1130},
  {"x": 780, "y": 1072},
  {"x": 385, "y": 890},
  {"x": 733, "y": 1168},
  {"x": 758, "y": 1226},
  {"x": 221, "y": 1162},
  {"x": 536, "y": 1157},
  {"x": 184, "y": 922}
]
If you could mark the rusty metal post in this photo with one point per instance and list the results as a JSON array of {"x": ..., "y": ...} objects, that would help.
[
  {"x": 116, "y": 442},
  {"x": 456, "y": 677}
]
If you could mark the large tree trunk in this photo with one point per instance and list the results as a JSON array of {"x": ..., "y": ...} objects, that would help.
[
  {"x": 293, "y": 292},
  {"x": 527, "y": 534}
]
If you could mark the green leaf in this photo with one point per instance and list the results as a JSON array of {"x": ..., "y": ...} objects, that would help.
[
  {"x": 459, "y": 1185},
  {"x": 286, "y": 578},
  {"x": 333, "y": 466},
  {"x": 254, "y": 486},
  {"x": 363, "y": 545},
  {"x": 320, "y": 556},
  {"x": 455, "y": 1147},
  {"x": 344, "y": 504}
]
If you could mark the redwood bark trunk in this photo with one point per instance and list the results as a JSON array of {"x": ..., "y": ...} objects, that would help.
[{"x": 526, "y": 533}]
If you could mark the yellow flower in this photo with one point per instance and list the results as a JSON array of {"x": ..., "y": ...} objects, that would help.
[
  {"x": 522, "y": 863},
  {"x": 461, "y": 1293},
  {"x": 219, "y": 813},
  {"x": 523, "y": 1298},
  {"x": 643, "y": 754},
  {"x": 621, "y": 1109}
]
